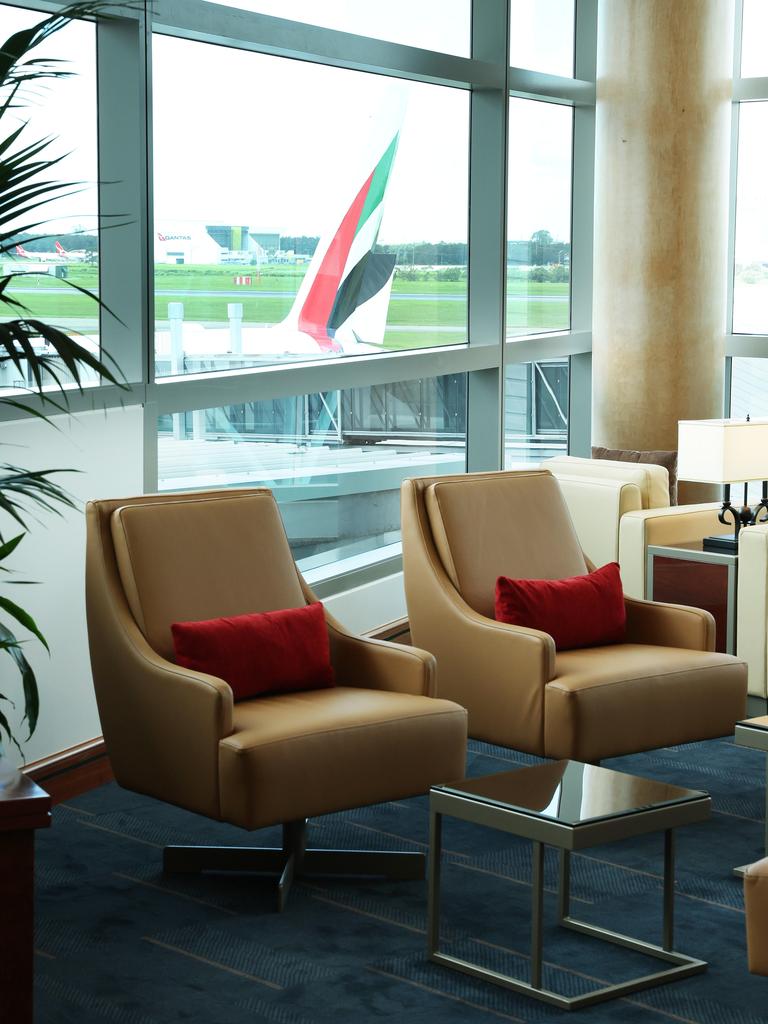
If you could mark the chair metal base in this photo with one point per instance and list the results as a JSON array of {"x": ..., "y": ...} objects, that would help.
[{"x": 294, "y": 860}]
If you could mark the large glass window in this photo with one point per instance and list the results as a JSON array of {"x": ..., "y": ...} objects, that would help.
[
  {"x": 749, "y": 397},
  {"x": 750, "y": 294},
  {"x": 541, "y": 35},
  {"x": 431, "y": 24},
  {"x": 535, "y": 411},
  {"x": 331, "y": 221},
  {"x": 539, "y": 217},
  {"x": 334, "y": 459},
  {"x": 45, "y": 258},
  {"x": 749, "y": 388}
]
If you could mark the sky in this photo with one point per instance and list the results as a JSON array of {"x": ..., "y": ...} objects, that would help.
[
  {"x": 66, "y": 109},
  {"x": 283, "y": 145}
]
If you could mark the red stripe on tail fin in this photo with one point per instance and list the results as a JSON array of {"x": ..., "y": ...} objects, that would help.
[{"x": 316, "y": 311}]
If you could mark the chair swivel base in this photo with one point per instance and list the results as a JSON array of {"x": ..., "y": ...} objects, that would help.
[{"x": 294, "y": 860}]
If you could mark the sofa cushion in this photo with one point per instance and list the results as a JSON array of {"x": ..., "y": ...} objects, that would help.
[
  {"x": 298, "y": 755},
  {"x": 652, "y": 480},
  {"x": 607, "y": 701},
  {"x": 583, "y": 611},
  {"x": 598, "y": 506},
  {"x": 265, "y": 652},
  {"x": 667, "y": 459}
]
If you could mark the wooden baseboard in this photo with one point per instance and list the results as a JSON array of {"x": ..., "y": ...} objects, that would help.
[{"x": 73, "y": 771}]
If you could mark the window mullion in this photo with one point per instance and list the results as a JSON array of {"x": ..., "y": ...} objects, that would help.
[
  {"x": 487, "y": 237},
  {"x": 123, "y": 121}
]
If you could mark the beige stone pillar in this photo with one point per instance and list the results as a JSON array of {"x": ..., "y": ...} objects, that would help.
[{"x": 661, "y": 206}]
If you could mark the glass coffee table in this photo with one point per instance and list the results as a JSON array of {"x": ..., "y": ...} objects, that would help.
[{"x": 572, "y": 806}]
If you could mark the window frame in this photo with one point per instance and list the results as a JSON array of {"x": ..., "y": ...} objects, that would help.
[{"x": 124, "y": 46}]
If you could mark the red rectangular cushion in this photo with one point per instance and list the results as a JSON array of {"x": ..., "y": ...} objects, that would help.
[
  {"x": 263, "y": 652},
  {"x": 581, "y": 611}
]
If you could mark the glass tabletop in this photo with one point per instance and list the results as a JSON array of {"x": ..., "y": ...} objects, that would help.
[
  {"x": 571, "y": 792},
  {"x": 761, "y": 722},
  {"x": 696, "y": 547}
]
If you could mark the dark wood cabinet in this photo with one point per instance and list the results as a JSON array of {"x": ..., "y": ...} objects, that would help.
[
  {"x": 686, "y": 574},
  {"x": 24, "y": 807}
]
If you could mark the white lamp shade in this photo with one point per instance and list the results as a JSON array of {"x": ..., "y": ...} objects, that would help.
[{"x": 722, "y": 451}]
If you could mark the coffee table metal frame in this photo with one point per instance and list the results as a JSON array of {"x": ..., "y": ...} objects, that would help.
[{"x": 543, "y": 831}]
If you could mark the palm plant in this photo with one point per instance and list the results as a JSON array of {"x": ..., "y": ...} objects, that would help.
[{"x": 53, "y": 358}]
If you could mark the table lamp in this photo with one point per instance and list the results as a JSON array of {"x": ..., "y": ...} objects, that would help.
[{"x": 726, "y": 452}]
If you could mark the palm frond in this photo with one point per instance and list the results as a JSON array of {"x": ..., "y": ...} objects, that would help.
[
  {"x": 23, "y": 490},
  {"x": 23, "y": 618},
  {"x": 10, "y": 545},
  {"x": 30, "y": 410},
  {"x": 43, "y": 353},
  {"x": 5, "y": 727},
  {"x": 11, "y": 645},
  {"x": 17, "y": 339}
]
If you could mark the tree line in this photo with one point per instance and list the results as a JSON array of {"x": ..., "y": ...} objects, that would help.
[
  {"x": 540, "y": 250},
  {"x": 69, "y": 240}
]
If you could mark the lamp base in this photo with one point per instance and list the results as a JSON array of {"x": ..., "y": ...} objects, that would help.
[{"x": 727, "y": 543}]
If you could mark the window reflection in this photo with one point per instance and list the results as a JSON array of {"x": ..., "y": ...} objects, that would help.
[{"x": 335, "y": 459}]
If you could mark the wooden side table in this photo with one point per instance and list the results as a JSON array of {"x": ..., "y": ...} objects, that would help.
[
  {"x": 24, "y": 807},
  {"x": 686, "y": 574}
]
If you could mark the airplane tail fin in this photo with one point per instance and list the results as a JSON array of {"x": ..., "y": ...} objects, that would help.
[
  {"x": 345, "y": 272},
  {"x": 21, "y": 251},
  {"x": 60, "y": 249}
]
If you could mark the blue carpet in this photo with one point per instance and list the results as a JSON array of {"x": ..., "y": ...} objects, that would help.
[{"x": 119, "y": 942}]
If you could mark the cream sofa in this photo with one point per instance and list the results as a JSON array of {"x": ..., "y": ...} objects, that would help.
[
  {"x": 752, "y": 608},
  {"x": 620, "y": 508}
]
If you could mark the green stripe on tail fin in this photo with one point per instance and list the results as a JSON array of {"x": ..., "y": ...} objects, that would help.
[{"x": 379, "y": 182}]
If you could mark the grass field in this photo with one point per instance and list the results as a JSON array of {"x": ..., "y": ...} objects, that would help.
[{"x": 532, "y": 306}]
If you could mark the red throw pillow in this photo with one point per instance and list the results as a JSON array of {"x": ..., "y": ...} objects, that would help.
[
  {"x": 581, "y": 611},
  {"x": 264, "y": 652}
]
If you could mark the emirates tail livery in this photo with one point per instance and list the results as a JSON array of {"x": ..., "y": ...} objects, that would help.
[
  {"x": 342, "y": 302},
  {"x": 346, "y": 288}
]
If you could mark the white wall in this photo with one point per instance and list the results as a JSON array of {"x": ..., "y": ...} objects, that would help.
[{"x": 107, "y": 449}]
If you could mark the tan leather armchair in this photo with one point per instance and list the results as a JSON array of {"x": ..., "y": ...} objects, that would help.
[
  {"x": 664, "y": 685},
  {"x": 176, "y": 734}
]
